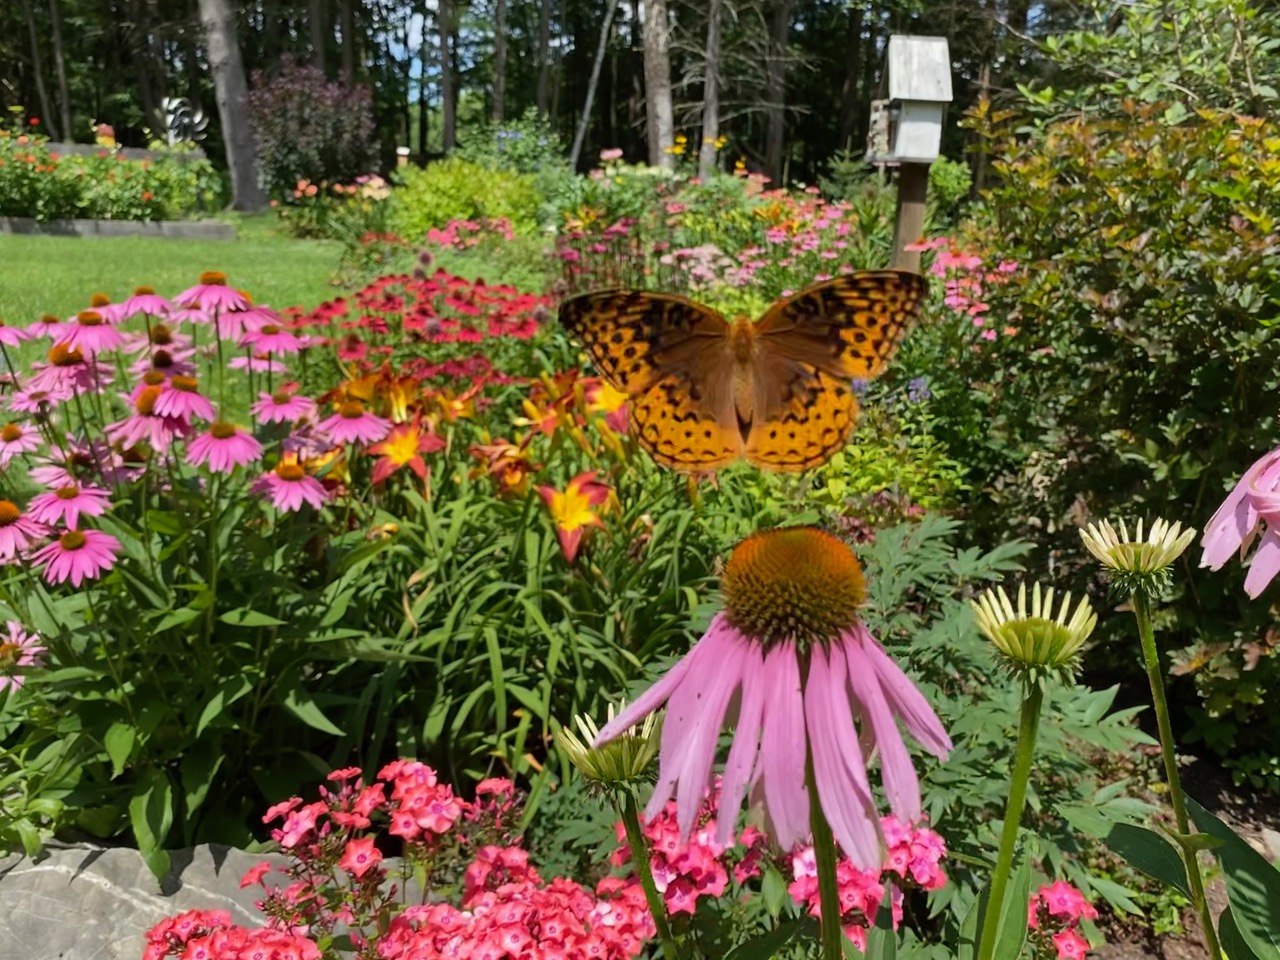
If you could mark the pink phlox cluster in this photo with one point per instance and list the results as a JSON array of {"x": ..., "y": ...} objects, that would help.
[
  {"x": 966, "y": 280},
  {"x": 210, "y": 935},
  {"x": 1054, "y": 913},
  {"x": 464, "y": 234}
]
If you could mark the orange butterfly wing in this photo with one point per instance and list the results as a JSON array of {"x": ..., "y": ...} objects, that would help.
[{"x": 807, "y": 432}]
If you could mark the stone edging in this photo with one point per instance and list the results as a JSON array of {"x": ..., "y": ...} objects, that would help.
[{"x": 173, "y": 229}]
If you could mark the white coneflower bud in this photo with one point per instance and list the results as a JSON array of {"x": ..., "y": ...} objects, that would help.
[
  {"x": 1033, "y": 639},
  {"x": 1138, "y": 563},
  {"x": 622, "y": 761}
]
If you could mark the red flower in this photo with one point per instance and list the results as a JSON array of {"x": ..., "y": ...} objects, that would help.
[
  {"x": 359, "y": 857},
  {"x": 404, "y": 447}
]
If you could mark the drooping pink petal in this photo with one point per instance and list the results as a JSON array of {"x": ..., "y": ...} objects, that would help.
[
  {"x": 901, "y": 785},
  {"x": 1232, "y": 522},
  {"x": 838, "y": 765},
  {"x": 651, "y": 699},
  {"x": 1265, "y": 563},
  {"x": 907, "y": 702},
  {"x": 702, "y": 735},
  {"x": 741, "y": 764},
  {"x": 782, "y": 747}
]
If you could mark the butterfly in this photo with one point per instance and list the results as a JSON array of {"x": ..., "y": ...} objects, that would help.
[{"x": 705, "y": 392}]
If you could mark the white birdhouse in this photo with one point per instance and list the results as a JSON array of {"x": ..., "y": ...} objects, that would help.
[{"x": 906, "y": 126}]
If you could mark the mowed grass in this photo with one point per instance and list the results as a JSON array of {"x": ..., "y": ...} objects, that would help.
[{"x": 58, "y": 275}]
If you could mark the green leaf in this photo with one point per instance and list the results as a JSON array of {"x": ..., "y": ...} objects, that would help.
[
  {"x": 1151, "y": 853},
  {"x": 302, "y": 706},
  {"x": 1232, "y": 943},
  {"x": 768, "y": 944},
  {"x": 1011, "y": 934},
  {"x": 176, "y": 618},
  {"x": 118, "y": 741},
  {"x": 229, "y": 691},
  {"x": 151, "y": 816},
  {"x": 1253, "y": 886},
  {"x": 773, "y": 888},
  {"x": 970, "y": 929},
  {"x": 244, "y": 617}
]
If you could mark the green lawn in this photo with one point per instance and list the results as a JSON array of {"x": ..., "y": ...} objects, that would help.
[{"x": 58, "y": 274}]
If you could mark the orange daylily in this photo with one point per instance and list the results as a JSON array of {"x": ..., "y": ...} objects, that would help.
[
  {"x": 507, "y": 463},
  {"x": 404, "y": 447},
  {"x": 571, "y": 509}
]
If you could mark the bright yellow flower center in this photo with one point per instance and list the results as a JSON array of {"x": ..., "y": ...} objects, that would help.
[
  {"x": 571, "y": 509},
  {"x": 401, "y": 446},
  {"x": 9, "y": 513},
  {"x": 794, "y": 583}
]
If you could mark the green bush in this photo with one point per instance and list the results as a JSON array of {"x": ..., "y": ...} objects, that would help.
[{"x": 456, "y": 189}]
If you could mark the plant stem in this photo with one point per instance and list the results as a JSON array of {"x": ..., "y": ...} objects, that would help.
[
  {"x": 1151, "y": 656},
  {"x": 824, "y": 857},
  {"x": 640, "y": 857},
  {"x": 1028, "y": 725}
]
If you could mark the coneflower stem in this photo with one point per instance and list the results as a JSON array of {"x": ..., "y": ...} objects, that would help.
[
  {"x": 824, "y": 857},
  {"x": 1028, "y": 725},
  {"x": 1151, "y": 657},
  {"x": 640, "y": 857}
]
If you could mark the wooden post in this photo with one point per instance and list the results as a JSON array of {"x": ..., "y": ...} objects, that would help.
[{"x": 913, "y": 188}]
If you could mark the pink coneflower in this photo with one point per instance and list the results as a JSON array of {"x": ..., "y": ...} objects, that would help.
[
  {"x": 67, "y": 502},
  {"x": 353, "y": 424},
  {"x": 180, "y": 397},
  {"x": 283, "y": 406},
  {"x": 790, "y": 652},
  {"x": 145, "y": 300},
  {"x": 16, "y": 439},
  {"x": 212, "y": 293},
  {"x": 47, "y": 326},
  {"x": 17, "y": 532},
  {"x": 18, "y": 649},
  {"x": 195, "y": 315},
  {"x": 288, "y": 486},
  {"x": 271, "y": 338},
  {"x": 168, "y": 363},
  {"x": 158, "y": 336},
  {"x": 12, "y": 336},
  {"x": 258, "y": 363},
  {"x": 144, "y": 425},
  {"x": 224, "y": 447},
  {"x": 102, "y": 305},
  {"x": 78, "y": 555},
  {"x": 91, "y": 334},
  {"x": 307, "y": 442},
  {"x": 69, "y": 370},
  {"x": 1250, "y": 513},
  {"x": 252, "y": 317},
  {"x": 38, "y": 401}
]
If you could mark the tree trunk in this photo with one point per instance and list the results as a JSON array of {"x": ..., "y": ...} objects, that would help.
[
  {"x": 424, "y": 100},
  {"x": 499, "y": 59},
  {"x": 659, "y": 122},
  {"x": 60, "y": 71},
  {"x": 37, "y": 68},
  {"x": 544, "y": 54},
  {"x": 448, "y": 105},
  {"x": 231, "y": 88},
  {"x": 318, "y": 39},
  {"x": 585, "y": 120},
  {"x": 852, "y": 104},
  {"x": 775, "y": 90},
  {"x": 349, "y": 42},
  {"x": 711, "y": 92}
]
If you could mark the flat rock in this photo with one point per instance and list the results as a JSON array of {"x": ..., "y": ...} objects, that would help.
[{"x": 96, "y": 903}]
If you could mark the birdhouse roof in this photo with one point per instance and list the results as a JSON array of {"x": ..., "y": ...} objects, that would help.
[{"x": 919, "y": 68}]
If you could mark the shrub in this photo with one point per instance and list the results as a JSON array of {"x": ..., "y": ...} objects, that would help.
[
  {"x": 455, "y": 189},
  {"x": 309, "y": 128}
]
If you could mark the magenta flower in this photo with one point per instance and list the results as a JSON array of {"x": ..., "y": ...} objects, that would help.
[
  {"x": 808, "y": 679},
  {"x": 289, "y": 486},
  {"x": 18, "y": 649},
  {"x": 258, "y": 363},
  {"x": 16, "y": 439},
  {"x": 271, "y": 338},
  {"x": 283, "y": 406},
  {"x": 167, "y": 363},
  {"x": 67, "y": 502},
  {"x": 47, "y": 326},
  {"x": 144, "y": 425},
  {"x": 1252, "y": 508},
  {"x": 224, "y": 447},
  {"x": 181, "y": 398},
  {"x": 69, "y": 371},
  {"x": 12, "y": 336},
  {"x": 145, "y": 300},
  {"x": 91, "y": 334},
  {"x": 212, "y": 293},
  {"x": 17, "y": 532},
  {"x": 158, "y": 336},
  {"x": 38, "y": 401},
  {"x": 353, "y": 424},
  {"x": 78, "y": 555}
]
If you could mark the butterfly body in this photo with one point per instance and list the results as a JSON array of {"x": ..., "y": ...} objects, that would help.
[{"x": 705, "y": 392}]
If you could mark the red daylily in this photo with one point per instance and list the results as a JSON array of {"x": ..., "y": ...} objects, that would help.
[
  {"x": 571, "y": 509},
  {"x": 404, "y": 447}
]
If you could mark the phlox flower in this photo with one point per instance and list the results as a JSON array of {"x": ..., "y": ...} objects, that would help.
[
  {"x": 212, "y": 293},
  {"x": 359, "y": 857},
  {"x": 67, "y": 502},
  {"x": 571, "y": 509},
  {"x": 17, "y": 532},
  {"x": 353, "y": 424},
  {"x": 180, "y": 397},
  {"x": 284, "y": 406},
  {"x": 1070, "y": 945},
  {"x": 145, "y": 300},
  {"x": 224, "y": 447},
  {"x": 15, "y": 439},
  {"x": 404, "y": 447},
  {"x": 1249, "y": 515},
  {"x": 78, "y": 555},
  {"x": 18, "y": 649},
  {"x": 288, "y": 487},
  {"x": 791, "y": 652},
  {"x": 91, "y": 334}
]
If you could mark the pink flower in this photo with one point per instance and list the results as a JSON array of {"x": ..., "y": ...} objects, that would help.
[
  {"x": 16, "y": 439},
  {"x": 257, "y": 363},
  {"x": 360, "y": 856},
  {"x": 47, "y": 326},
  {"x": 353, "y": 424},
  {"x": 1070, "y": 945},
  {"x": 1064, "y": 900},
  {"x": 18, "y": 649},
  {"x": 145, "y": 300},
  {"x": 12, "y": 336},
  {"x": 283, "y": 406},
  {"x": 271, "y": 338},
  {"x": 78, "y": 555},
  {"x": 1252, "y": 508},
  {"x": 17, "y": 532},
  {"x": 144, "y": 425},
  {"x": 224, "y": 447},
  {"x": 255, "y": 874},
  {"x": 212, "y": 293},
  {"x": 288, "y": 487},
  {"x": 180, "y": 397},
  {"x": 38, "y": 401},
  {"x": 791, "y": 691},
  {"x": 610, "y": 154},
  {"x": 65, "y": 504},
  {"x": 91, "y": 334}
]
